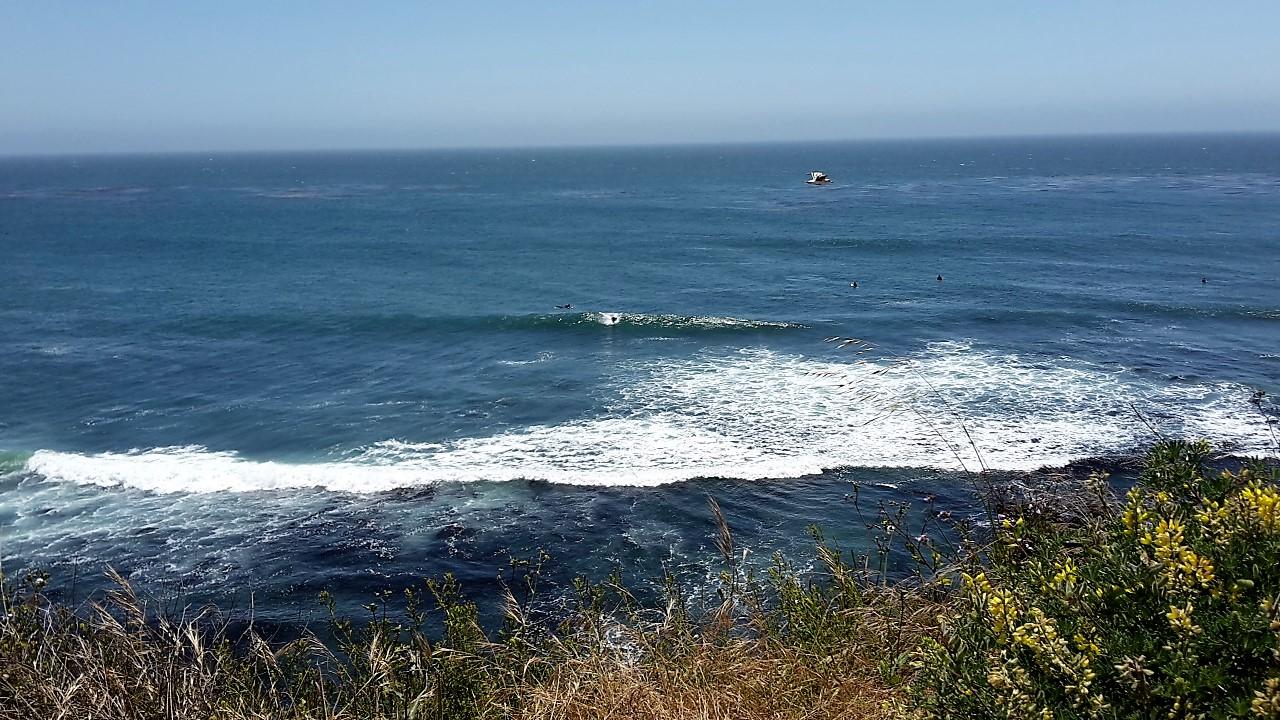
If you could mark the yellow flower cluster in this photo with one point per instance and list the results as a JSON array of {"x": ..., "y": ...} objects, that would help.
[
  {"x": 1264, "y": 503},
  {"x": 1086, "y": 646},
  {"x": 1166, "y": 539},
  {"x": 1040, "y": 635},
  {"x": 1194, "y": 569},
  {"x": 999, "y": 603},
  {"x": 1015, "y": 690},
  {"x": 1183, "y": 567},
  {"x": 1256, "y": 508},
  {"x": 1213, "y": 517},
  {"x": 1266, "y": 702},
  {"x": 1067, "y": 576},
  {"x": 1180, "y": 619},
  {"x": 1135, "y": 515},
  {"x": 1271, "y": 610}
]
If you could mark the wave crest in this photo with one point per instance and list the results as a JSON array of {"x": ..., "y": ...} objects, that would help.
[{"x": 397, "y": 325}]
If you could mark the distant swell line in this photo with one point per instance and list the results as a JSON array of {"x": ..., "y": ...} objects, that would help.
[
  {"x": 373, "y": 324},
  {"x": 1190, "y": 311}
]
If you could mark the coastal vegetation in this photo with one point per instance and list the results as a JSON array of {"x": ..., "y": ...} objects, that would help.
[{"x": 1159, "y": 599}]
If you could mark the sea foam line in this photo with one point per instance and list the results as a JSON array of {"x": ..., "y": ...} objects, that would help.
[{"x": 754, "y": 415}]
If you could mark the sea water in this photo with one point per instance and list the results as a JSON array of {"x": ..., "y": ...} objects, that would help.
[{"x": 227, "y": 374}]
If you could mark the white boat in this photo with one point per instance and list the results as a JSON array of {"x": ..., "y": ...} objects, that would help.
[{"x": 818, "y": 178}]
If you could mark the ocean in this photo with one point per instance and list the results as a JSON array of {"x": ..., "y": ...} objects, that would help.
[{"x": 265, "y": 375}]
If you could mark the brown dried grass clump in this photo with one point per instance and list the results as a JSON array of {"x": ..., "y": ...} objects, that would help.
[
  {"x": 738, "y": 679},
  {"x": 787, "y": 646}
]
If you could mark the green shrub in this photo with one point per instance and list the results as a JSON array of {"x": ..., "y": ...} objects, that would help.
[{"x": 1166, "y": 607}]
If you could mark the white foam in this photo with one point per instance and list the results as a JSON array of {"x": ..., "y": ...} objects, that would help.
[
  {"x": 709, "y": 322},
  {"x": 754, "y": 415},
  {"x": 542, "y": 357}
]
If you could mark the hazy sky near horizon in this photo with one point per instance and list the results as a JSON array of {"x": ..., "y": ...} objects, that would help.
[{"x": 235, "y": 75}]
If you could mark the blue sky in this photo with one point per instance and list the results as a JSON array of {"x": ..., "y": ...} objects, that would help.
[{"x": 158, "y": 76}]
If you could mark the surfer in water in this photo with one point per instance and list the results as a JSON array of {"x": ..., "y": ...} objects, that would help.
[
  {"x": 939, "y": 278},
  {"x": 566, "y": 306}
]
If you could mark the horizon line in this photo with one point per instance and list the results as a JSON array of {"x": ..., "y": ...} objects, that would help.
[{"x": 636, "y": 145}]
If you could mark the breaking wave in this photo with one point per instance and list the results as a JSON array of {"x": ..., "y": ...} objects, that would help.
[{"x": 752, "y": 415}]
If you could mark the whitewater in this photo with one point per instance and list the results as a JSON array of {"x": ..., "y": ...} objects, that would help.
[{"x": 753, "y": 416}]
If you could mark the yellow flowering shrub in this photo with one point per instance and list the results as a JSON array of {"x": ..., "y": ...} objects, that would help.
[{"x": 1170, "y": 607}]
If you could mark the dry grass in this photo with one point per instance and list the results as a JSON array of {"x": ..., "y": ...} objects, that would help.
[
  {"x": 739, "y": 680},
  {"x": 781, "y": 648},
  {"x": 714, "y": 676},
  {"x": 119, "y": 662}
]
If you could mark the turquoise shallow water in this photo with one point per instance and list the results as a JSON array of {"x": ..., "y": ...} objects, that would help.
[{"x": 276, "y": 373}]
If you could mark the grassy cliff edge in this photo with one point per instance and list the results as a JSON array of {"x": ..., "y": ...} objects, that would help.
[{"x": 1161, "y": 602}]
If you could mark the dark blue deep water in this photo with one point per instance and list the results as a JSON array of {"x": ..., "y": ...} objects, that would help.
[{"x": 278, "y": 373}]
